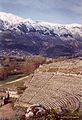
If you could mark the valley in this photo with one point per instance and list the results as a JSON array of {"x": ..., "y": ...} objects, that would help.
[{"x": 55, "y": 84}]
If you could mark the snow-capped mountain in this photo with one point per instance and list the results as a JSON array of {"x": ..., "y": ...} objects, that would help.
[
  {"x": 38, "y": 37},
  {"x": 10, "y": 19}
]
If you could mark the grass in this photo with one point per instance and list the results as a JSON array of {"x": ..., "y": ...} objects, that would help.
[{"x": 12, "y": 78}]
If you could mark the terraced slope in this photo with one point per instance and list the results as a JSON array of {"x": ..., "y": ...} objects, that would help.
[{"x": 53, "y": 90}]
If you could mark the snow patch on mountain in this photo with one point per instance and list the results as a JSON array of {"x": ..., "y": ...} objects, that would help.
[{"x": 8, "y": 20}]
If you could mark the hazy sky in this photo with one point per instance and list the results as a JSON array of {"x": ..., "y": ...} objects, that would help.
[{"x": 56, "y": 11}]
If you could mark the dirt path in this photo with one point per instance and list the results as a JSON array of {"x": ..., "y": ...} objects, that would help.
[
  {"x": 20, "y": 79},
  {"x": 17, "y": 80}
]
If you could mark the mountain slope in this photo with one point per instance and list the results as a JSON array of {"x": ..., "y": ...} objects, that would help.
[{"x": 38, "y": 37}]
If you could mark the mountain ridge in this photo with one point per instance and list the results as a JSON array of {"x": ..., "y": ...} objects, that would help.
[
  {"x": 38, "y": 37},
  {"x": 11, "y": 18}
]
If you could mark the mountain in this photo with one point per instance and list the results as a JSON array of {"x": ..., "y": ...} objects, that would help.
[{"x": 37, "y": 37}]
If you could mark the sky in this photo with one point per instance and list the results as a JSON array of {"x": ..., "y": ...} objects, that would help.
[{"x": 54, "y": 11}]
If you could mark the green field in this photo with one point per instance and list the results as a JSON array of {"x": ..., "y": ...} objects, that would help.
[{"x": 12, "y": 78}]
